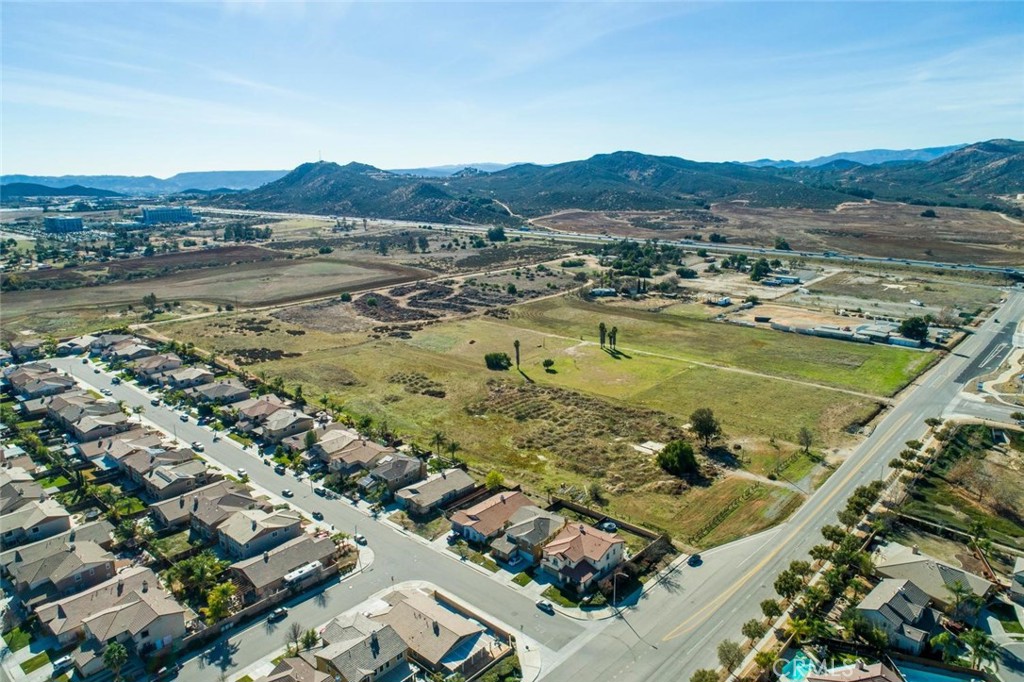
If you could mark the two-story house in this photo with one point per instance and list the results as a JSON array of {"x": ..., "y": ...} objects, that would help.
[{"x": 581, "y": 555}]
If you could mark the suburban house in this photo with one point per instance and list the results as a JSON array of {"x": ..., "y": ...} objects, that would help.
[
  {"x": 65, "y": 619},
  {"x": 284, "y": 423},
  {"x": 358, "y": 649},
  {"x": 580, "y": 555},
  {"x": 94, "y": 427},
  {"x": 36, "y": 520},
  {"x": 105, "y": 341},
  {"x": 346, "y": 452},
  {"x": 485, "y": 520},
  {"x": 17, "y": 488},
  {"x": 254, "y": 411},
  {"x": 139, "y": 462},
  {"x": 263, "y": 575},
  {"x": 438, "y": 638},
  {"x": 76, "y": 346},
  {"x": 528, "y": 530},
  {"x": 392, "y": 472},
  {"x": 294, "y": 669},
  {"x": 858, "y": 672},
  {"x": 930, "y": 575},
  {"x": 203, "y": 508},
  {"x": 902, "y": 610},
  {"x": 185, "y": 377},
  {"x": 96, "y": 531},
  {"x": 126, "y": 350},
  {"x": 171, "y": 480},
  {"x": 443, "y": 487},
  {"x": 147, "y": 369},
  {"x": 26, "y": 349},
  {"x": 224, "y": 392},
  {"x": 248, "y": 532},
  {"x": 37, "y": 379},
  {"x": 146, "y": 620},
  {"x": 69, "y": 569}
]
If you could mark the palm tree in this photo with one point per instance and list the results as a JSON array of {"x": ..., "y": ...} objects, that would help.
[
  {"x": 947, "y": 645},
  {"x": 453, "y": 447},
  {"x": 983, "y": 648},
  {"x": 960, "y": 595},
  {"x": 602, "y": 330},
  {"x": 613, "y": 336},
  {"x": 114, "y": 657},
  {"x": 516, "y": 345},
  {"x": 437, "y": 442}
]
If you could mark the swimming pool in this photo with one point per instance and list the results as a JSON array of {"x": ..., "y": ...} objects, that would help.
[
  {"x": 917, "y": 673},
  {"x": 800, "y": 666}
]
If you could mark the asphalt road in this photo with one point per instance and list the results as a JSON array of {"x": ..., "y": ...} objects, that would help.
[
  {"x": 398, "y": 557},
  {"x": 676, "y": 628},
  {"x": 711, "y": 248},
  {"x": 672, "y": 631}
]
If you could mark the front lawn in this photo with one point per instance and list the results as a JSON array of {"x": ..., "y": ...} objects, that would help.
[
  {"x": 1007, "y": 618},
  {"x": 17, "y": 639},
  {"x": 429, "y": 529},
  {"x": 35, "y": 663},
  {"x": 58, "y": 481},
  {"x": 477, "y": 558},
  {"x": 522, "y": 579},
  {"x": 239, "y": 438},
  {"x": 567, "y": 599}
]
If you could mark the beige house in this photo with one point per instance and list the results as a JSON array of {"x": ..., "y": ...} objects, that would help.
[
  {"x": 581, "y": 555},
  {"x": 68, "y": 569},
  {"x": 930, "y": 575},
  {"x": 264, "y": 574},
  {"x": 284, "y": 423},
  {"x": 249, "y": 532},
  {"x": 147, "y": 369},
  {"x": 32, "y": 522},
  {"x": 358, "y": 649},
  {"x": 485, "y": 520},
  {"x": 436, "y": 491}
]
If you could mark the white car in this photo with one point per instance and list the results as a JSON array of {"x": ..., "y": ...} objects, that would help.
[
  {"x": 242, "y": 473},
  {"x": 197, "y": 446}
]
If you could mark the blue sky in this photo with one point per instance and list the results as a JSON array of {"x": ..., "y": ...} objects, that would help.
[{"x": 153, "y": 88}]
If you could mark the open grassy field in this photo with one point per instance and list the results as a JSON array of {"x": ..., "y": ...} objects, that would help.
[
  {"x": 561, "y": 428},
  {"x": 872, "y": 369}
]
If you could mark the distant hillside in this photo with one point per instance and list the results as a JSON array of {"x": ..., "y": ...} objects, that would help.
[
  {"x": 149, "y": 185},
  {"x": 971, "y": 176},
  {"x": 445, "y": 171},
  {"x": 867, "y": 157},
  {"x": 29, "y": 189}
]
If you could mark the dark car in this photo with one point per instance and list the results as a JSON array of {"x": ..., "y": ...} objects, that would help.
[
  {"x": 318, "y": 516},
  {"x": 694, "y": 560},
  {"x": 277, "y": 614},
  {"x": 279, "y": 469}
]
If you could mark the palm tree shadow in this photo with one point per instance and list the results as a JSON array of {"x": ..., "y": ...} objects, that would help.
[
  {"x": 526, "y": 376},
  {"x": 617, "y": 354}
]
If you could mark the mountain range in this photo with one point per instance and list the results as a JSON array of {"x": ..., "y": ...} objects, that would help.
[
  {"x": 867, "y": 157},
  {"x": 30, "y": 189},
  {"x": 148, "y": 185},
  {"x": 971, "y": 176}
]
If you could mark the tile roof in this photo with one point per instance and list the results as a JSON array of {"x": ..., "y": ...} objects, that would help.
[
  {"x": 578, "y": 541},
  {"x": 429, "y": 629},
  {"x": 903, "y": 605},
  {"x": 97, "y": 531},
  {"x": 247, "y": 524},
  {"x": 294, "y": 670},
  {"x": 929, "y": 574},
  {"x": 264, "y": 569},
  {"x": 491, "y": 515},
  {"x": 357, "y": 646},
  {"x": 431, "y": 491},
  {"x": 182, "y": 507},
  {"x": 133, "y": 614},
  {"x": 32, "y": 513},
  {"x": 534, "y": 525},
  {"x": 64, "y": 561},
  {"x": 395, "y": 467},
  {"x": 68, "y": 614}
]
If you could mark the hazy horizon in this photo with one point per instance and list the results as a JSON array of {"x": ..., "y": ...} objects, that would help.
[{"x": 158, "y": 89}]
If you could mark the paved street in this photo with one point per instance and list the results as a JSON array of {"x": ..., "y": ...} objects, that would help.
[
  {"x": 675, "y": 629},
  {"x": 676, "y": 625},
  {"x": 398, "y": 557}
]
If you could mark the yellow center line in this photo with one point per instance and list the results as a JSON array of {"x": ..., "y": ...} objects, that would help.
[{"x": 697, "y": 618}]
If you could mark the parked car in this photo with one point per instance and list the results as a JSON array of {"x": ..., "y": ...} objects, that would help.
[
  {"x": 184, "y": 417},
  {"x": 96, "y": 370},
  {"x": 154, "y": 402},
  {"x": 115, "y": 380},
  {"x": 359, "y": 538},
  {"x": 167, "y": 672},
  {"x": 279, "y": 469},
  {"x": 694, "y": 560},
  {"x": 106, "y": 391},
  {"x": 452, "y": 538},
  {"x": 242, "y": 473},
  {"x": 85, "y": 361},
  {"x": 197, "y": 446},
  {"x": 318, "y": 516},
  {"x": 320, "y": 490},
  {"x": 608, "y": 527},
  {"x": 545, "y": 606},
  {"x": 277, "y": 614},
  {"x": 287, "y": 492},
  {"x": 62, "y": 663}
]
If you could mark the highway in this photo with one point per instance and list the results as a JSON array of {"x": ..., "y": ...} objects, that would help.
[
  {"x": 676, "y": 628},
  {"x": 397, "y": 557},
  {"x": 712, "y": 248}
]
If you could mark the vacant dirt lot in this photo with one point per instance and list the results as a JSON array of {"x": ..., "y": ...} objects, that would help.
[{"x": 869, "y": 228}]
